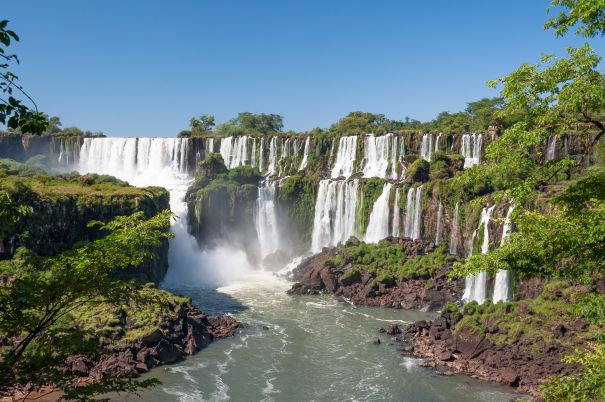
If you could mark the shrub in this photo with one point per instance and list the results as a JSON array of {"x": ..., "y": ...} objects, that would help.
[{"x": 418, "y": 172}]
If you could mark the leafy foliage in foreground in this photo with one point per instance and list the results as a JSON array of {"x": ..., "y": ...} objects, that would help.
[{"x": 38, "y": 294}]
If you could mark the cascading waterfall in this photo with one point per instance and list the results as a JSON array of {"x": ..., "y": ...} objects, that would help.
[
  {"x": 413, "y": 213},
  {"x": 437, "y": 141},
  {"x": 303, "y": 163},
  {"x": 394, "y": 160},
  {"x": 335, "y": 213},
  {"x": 345, "y": 157},
  {"x": 234, "y": 151},
  {"x": 471, "y": 149},
  {"x": 378, "y": 226},
  {"x": 210, "y": 145},
  {"x": 476, "y": 285},
  {"x": 551, "y": 151},
  {"x": 502, "y": 281},
  {"x": 253, "y": 153},
  {"x": 261, "y": 154},
  {"x": 396, "y": 214},
  {"x": 439, "y": 224},
  {"x": 266, "y": 220},
  {"x": 273, "y": 151},
  {"x": 454, "y": 233},
  {"x": 376, "y": 155},
  {"x": 426, "y": 147}
]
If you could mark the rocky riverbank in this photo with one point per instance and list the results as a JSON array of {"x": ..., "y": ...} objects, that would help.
[
  {"x": 340, "y": 271},
  {"x": 518, "y": 344},
  {"x": 184, "y": 334}
]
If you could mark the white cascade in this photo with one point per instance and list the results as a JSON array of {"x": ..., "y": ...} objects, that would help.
[
  {"x": 253, "y": 153},
  {"x": 394, "y": 159},
  {"x": 266, "y": 220},
  {"x": 273, "y": 153},
  {"x": 378, "y": 225},
  {"x": 376, "y": 155},
  {"x": 345, "y": 157},
  {"x": 477, "y": 284},
  {"x": 413, "y": 213},
  {"x": 335, "y": 213},
  {"x": 261, "y": 154},
  {"x": 210, "y": 145},
  {"x": 426, "y": 147},
  {"x": 150, "y": 162},
  {"x": 470, "y": 148},
  {"x": 396, "y": 214},
  {"x": 551, "y": 151},
  {"x": 502, "y": 281},
  {"x": 303, "y": 163},
  {"x": 234, "y": 151},
  {"x": 437, "y": 141},
  {"x": 439, "y": 224}
]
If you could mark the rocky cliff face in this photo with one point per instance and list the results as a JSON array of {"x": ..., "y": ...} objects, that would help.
[
  {"x": 335, "y": 271},
  {"x": 62, "y": 207}
]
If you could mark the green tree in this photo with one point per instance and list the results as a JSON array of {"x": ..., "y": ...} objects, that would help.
[
  {"x": 201, "y": 125},
  {"x": 588, "y": 15},
  {"x": 13, "y": 112},
  {"x": 357, "y": 123},
  {"x": 39, "y": 293}
]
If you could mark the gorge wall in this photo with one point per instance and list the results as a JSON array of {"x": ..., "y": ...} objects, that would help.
[{"x": 316, "y": 191}]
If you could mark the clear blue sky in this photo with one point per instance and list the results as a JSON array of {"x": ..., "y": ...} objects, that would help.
[{"x": 145, "y": 67}]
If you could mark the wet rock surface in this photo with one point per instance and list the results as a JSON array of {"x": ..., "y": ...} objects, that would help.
[
  {"x": 313, "y": 277},
  {"x": 186, "y": 334},
  {"x": 473, "y": 354}
]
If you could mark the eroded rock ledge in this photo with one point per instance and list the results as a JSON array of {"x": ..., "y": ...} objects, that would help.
[
  {"x": 190, "y": 331},
  {"x": 471, "y": 353},
  {"x": 420, "y": 291}
]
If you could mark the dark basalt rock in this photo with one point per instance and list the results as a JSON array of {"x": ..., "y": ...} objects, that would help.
[
  {"x": 313, "y": 277},
  {"x": 473, "y": 354},
  {"x": 190, "y": 332}
]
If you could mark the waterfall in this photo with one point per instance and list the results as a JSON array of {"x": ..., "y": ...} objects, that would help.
[
  {"x": 261, "y": 159},
  {"x": 551, "y": 151},
  {"x": 234, "y": 151},
  {"x": 253, "y": 153},
  {"x": 210, "y": 145},
  {"x": 471, "y": 149},
  {"x": 335, "y": 213},
  {"x": 439, "y": 224},
  {"x": 396, "y": 214},
  {"x": 426, "y": 148},
  {"x": 345, "y": 157},
  {"x": 454, "y": 233},
  {"x": 413, "y": 213},
  {"x": 266, "y": 220},
  {"x": 376, "y": 155},
  {"x": 149, "y": 162},
  {"x": 437, "y": 140},
  {"x": 285, "y": 152},
  {"x": 273, "y": 151},
  {"x": 476, "y": 285},
  {"x": 502, "y": 281},
  {"x": 303, "y": 164},
  {"x": 378, "y": 226},
  {"x": 394, "y": 160}
]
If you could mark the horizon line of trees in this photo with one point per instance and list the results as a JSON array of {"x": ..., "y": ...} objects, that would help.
[{"x": 478, "y": 116}]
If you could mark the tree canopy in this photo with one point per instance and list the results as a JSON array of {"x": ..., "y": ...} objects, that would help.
[{"x": 13, "y": 111}]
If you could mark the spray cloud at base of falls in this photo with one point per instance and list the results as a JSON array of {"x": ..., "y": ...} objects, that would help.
[{"x": 163, "y": 161}]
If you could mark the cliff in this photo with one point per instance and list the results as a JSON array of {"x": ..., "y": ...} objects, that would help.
[{"x": 62, "y": 207}]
